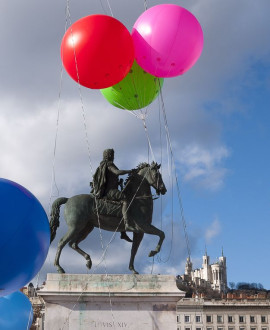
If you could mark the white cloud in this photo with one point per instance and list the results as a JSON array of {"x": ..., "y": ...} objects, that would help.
[
  {"x": 213, "y": 230},
  {"x": 202, "y": 166},
  {"x": 156, "y": 268},
  {"x": 27, "y": 143}
]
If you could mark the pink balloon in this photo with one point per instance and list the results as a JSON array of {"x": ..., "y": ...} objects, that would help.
[{"x": 168, "y": 40}]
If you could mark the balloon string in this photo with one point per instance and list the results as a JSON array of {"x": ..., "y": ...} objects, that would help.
[
  {"x": 175, "y": 174},
  {"x": 148, "y": 139},
  {"x": 105, "y": 11},
  {"x": 170, "y": 172},
  {"x": 145, "y": 4},
  {"x": 53, "y": 179},
  {"x": 141, "y": 115},
  {"x": 140, "y": 100},
  {"x": 110, "y": 7},
  {"x": 53, "y": 175},
  {"x": 161, "y": 160}
]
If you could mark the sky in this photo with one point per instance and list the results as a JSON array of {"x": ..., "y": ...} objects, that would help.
[{"x": 218, "y": 119}]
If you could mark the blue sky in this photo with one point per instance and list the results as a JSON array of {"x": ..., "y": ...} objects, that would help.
[
  {"x": 245, "y": 198},
  {"x": 242, "y": 204},
  {"x": 218, "y": 115}
]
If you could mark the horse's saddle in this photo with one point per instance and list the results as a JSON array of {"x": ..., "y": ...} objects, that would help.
[{"x": 107, "y": 207}]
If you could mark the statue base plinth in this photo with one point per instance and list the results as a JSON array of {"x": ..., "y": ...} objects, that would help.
[{"x": 134, "y": 302}]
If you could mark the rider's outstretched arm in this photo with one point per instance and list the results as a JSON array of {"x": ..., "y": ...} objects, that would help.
[{"x": 116, "y": 171}]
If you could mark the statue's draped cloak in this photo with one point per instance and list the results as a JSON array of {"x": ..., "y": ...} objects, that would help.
[{"x": 99, "y": 179}]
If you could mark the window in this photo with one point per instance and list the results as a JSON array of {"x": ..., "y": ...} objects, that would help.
[
  {"x": 178, "y": 319},
  {"x": 242, "y": 328},
  {"x": 263, "y": 319},
  {"x": 230, "y": 319},
  {"x": 198, "y": 318},
  {"x": 241, "y": 319},
  {"x": 187, "y": 329},
  {"x": 208, "y": 318},
  {"x": 198, "y": 328},
  {"x": 263, "y": 328},
  {"x": 220, "y": 328},
  {"x": 219, "y": 319},
  {"x": 253, "y": 328},
  {"x": 187, "y": 318},
  {"x": 231, "y": 328},
  {"x": 209, "y": 329},
  {"x": 252, "y": 319}
]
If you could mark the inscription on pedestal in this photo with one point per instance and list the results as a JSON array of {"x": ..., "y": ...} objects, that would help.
[
  {"x": 134, "y": 323},
  {"x": 105, "y": 325}
]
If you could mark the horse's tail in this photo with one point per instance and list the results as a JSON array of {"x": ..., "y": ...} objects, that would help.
[{"x": 55, "y": 213}]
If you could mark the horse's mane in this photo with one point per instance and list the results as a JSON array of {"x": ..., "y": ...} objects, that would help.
[
  {"x": 138, "y": 168},
  {"x": 142, "y": 165}
]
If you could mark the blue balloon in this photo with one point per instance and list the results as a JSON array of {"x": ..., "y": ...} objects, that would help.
[
  {"x": 24, "y": 236},
  {"x": 16, "y": 312}
]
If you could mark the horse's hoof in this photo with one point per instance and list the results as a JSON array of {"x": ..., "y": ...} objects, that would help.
[
  {"x": 152, "y": 253},
  {"x": 133, "y": 270},
  {"x": 89, "y": 264},
  {"x": 60, "y": 270}
]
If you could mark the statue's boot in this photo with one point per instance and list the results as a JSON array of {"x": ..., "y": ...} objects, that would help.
[
  {"x": 125, "y": 237},
  {"x": 128, "y": 225}
]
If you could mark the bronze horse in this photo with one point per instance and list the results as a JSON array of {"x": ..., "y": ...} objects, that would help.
[{"x": 81, "y": 214}]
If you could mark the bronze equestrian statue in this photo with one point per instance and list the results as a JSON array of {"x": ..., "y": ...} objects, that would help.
[{"x": 86, "y": 211}]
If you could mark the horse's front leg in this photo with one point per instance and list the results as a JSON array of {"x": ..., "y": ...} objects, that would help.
[
  {"x": 147, "y": 228},
  {"x": 158, "y": 247},
  {"x": 137, "y": 238}
]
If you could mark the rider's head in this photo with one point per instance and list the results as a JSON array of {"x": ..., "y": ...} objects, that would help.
[{"x": 108, "y": 154}]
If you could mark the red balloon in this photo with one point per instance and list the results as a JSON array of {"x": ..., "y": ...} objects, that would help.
[{"x": 97, "y": 51}]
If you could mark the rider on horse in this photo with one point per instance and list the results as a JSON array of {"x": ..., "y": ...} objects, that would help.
[{"x": 105, "y": 186}]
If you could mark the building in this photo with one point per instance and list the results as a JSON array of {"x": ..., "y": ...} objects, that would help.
[
  {"x": 212, "y": 276},
  {"x": 223, "y": 314},
  {"x": 37, "y": 304}
]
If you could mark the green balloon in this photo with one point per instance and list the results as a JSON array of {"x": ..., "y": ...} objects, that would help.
[{"x": 137, "y": 90}]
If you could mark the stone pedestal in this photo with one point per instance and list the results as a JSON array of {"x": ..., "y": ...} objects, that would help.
[{"x": 134, "y": 302}]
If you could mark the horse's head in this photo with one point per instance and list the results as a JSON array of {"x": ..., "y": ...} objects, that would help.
[{"x": 152, "y": 175}]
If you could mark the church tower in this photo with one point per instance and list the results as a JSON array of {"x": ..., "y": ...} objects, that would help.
[
  {"x": 188, "y": 267},
  {"x": 206, "y": 268},
  {"x": 223, "y": 271},
  {"x": 219, "y": 274}
]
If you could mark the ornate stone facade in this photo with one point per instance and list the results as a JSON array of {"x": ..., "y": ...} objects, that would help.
[{"x": 223, "y": 314}]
